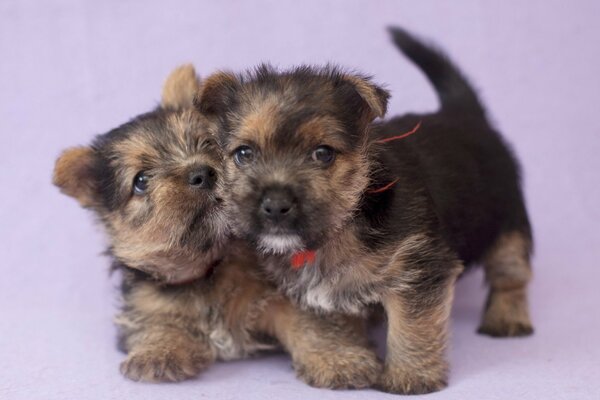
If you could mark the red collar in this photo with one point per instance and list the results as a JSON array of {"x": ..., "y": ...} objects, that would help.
[
  {"x": 401, "y": 136},
  {"x": 384, "y": 188},
  {"x": 389, "y": 139},
  {"x": 302, "y": 258}
]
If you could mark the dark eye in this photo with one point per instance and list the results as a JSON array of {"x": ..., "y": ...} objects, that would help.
[
  {"x": 140, "y": 183},
  {"x": 323, "y": 154},
  {"x": 243, "y": 155}
]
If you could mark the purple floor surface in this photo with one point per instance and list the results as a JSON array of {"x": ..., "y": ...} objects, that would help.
[{"x": 71, "y": 69}]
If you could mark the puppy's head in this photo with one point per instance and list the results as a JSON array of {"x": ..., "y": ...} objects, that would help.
[
  {"x": 295, "y": 150},
  {"x": 156, "y": 185}
]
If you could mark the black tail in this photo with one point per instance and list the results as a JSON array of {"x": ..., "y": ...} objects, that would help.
[{"x": 453, "y": 89}]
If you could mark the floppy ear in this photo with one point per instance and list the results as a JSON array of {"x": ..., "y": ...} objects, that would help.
[
  {"x": 73, "y": 175},
  {"x": 180, "y": 88},
  {"x": 375, "y": 98},
  {"x": 217, "y": 93}
]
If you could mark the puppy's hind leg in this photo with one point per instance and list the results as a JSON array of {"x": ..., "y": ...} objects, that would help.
[{"x": 507, "y": 272}]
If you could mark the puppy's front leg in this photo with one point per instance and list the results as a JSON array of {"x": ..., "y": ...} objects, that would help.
[
  {"x": 418, "y": 311},
  {"x": 328, "y": 351},
  {"x": 160, "y": 335}
]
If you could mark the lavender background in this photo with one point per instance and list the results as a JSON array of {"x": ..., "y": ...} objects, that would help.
[{"x": 71, "y": 69}]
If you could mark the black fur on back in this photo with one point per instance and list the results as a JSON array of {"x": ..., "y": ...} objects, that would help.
[{"x": 456, "y": 160}]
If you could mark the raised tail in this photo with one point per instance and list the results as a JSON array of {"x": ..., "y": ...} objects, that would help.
[{"x": 453, "y": 89}]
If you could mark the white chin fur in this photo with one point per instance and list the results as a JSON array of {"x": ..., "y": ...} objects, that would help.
[{"x": 279, "y": 244}]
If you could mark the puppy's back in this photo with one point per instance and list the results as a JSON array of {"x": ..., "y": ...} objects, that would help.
[{"x": 469, "y": 170}]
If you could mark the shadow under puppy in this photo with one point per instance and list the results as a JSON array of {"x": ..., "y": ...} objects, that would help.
[
  {"x": 346, "y": 215},
  {"x": 190, "y": 296}
]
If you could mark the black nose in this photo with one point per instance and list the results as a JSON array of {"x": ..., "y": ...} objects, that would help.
[
  {"x": 203, "y": 177},
  {"x": 277, "y": 204}
]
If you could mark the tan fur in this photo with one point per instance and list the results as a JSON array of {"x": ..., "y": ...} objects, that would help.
[
  {"x": 417, "y": 333},
  {"x": 508, "y": 271},
  {"x": 369, "y": 93},
  {"x": 331, "y": 351},
  {"x": 174, "y": 333},
  {"x": 259, "y": 124},
  {"x": 177, "y": 320},
  {"x": 260, "y": 128},
  {"x": 212, "y": 88},
  {"x": 417, "y": 342},
  {"x": 153, "y": 245},
  {"x": 222, "y": 311},
  {"x": 70, "y": 175},
  {"x": 180, "y": 88},
  {"x": 353, "y": 269},
  {"x": 418, "y": 319},
  {"x": 167, "y": 354},
  {"x": 217, "y": 80},
  {"x": 320, "y": 129}
]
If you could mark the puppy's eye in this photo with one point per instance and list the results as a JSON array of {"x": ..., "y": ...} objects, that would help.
[
  {"x": 323, "y": 154},
  {"x": 243, "y": 155},
  {"x": 140, "y": 183}
]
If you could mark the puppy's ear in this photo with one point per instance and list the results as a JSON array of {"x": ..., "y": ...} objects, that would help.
[
  {"x": 73, "y": 174},
  {"x": 180, "y": 88},
  {"x": 217, "y": 93},
  {"x": 374, "y": 97}
]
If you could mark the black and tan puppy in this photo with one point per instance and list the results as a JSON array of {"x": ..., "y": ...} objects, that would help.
[
  {"x": 190, "y": 296},
  {"x": 347, "y": 215}
]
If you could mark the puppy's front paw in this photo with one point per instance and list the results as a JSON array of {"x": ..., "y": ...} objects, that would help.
[
  {"x": 401, "y": 382},
  {"x": 163, "y": 363},
  {"x": 349, "y": 368}
]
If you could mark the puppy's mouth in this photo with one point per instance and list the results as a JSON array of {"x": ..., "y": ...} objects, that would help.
[{"x": 280, "y": 243}]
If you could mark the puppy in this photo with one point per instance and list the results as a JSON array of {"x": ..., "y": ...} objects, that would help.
[
  {"x": 348, "y": 214},
  {"x": 190, "y": 296}
]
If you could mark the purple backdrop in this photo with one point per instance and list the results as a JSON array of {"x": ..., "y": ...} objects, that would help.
[{"x": 71, "y": 69}]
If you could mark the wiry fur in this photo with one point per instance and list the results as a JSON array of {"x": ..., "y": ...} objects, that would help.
[
  {"x": 262, "y": 108},
  {"x": 456, "y": 201},
  {"x": 178, "y": 315}
]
